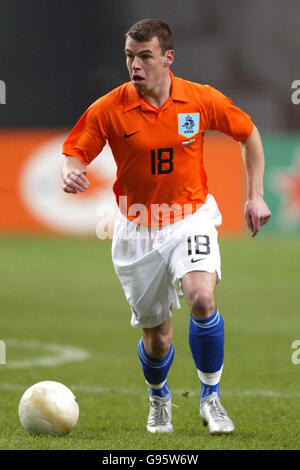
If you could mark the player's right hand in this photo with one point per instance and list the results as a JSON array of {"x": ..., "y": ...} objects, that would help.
[{"x": 75, "y": 180}]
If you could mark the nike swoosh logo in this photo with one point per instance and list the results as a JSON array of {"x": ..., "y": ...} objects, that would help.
[
  {"x": 196, "y": 260},
  {"x": 129, "y": 135}
]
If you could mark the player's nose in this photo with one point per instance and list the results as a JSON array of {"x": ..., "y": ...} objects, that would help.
[{"x": 136, "y": 64}]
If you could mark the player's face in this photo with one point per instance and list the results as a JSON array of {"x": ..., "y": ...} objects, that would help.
[{"x": 146, "y": 64}]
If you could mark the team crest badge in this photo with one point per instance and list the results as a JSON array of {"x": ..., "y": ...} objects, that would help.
[{"x": 188, "y": 124}]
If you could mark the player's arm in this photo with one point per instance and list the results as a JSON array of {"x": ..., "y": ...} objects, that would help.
[
  {"x": 83, "y": 144},
  {"x": 256, "y": 211},
  {"x": 74, "y": 175}
]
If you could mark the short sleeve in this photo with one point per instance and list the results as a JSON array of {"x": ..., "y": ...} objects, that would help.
[
  {"x": 88, "y": 137},
  {"x": 225, "y": 117}
]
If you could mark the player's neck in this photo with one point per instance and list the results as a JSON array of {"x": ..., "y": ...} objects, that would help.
[{"x": 159, "y": 94}]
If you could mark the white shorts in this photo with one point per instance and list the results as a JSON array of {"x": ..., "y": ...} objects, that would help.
[{"x": 151, "y": 261}]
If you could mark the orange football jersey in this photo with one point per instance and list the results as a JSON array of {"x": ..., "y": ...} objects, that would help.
[{"x": 158, "y": 152}]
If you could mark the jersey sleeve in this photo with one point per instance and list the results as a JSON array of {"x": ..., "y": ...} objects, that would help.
[
  {"x": 225, "y": 117},
  {"x": 88, "y": 136}
]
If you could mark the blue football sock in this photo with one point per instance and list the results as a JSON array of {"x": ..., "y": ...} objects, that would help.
[
  {"x": 207, "y": 390},
  {"x": 156, "y": 371},
  {"x": 206, "y": 339},
  {"x": 163, "y": 392}
]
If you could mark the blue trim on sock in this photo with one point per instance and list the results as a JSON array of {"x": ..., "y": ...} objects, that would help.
[
  {"x": 207, "y": 390},
  {"x": 209, "y": 322},
  {"x": 155, "y": 370},
  {"x": 163, "y": 392},
  {"x": 151, "y": 361}
]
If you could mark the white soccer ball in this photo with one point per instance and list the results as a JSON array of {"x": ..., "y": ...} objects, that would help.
[{"x": 48, "y": 408}]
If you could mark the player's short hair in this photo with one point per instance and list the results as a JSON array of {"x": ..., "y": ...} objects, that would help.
[{"x": 148, "y": 28}]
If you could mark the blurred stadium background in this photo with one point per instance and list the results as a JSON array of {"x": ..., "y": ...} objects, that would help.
[{"x": 56, "y": 58}]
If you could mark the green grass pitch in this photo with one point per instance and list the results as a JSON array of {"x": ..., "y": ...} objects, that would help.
[{"x": 63, "y": 293}]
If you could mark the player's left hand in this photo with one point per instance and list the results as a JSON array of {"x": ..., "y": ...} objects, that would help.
[{"x": 257, "y": 214}]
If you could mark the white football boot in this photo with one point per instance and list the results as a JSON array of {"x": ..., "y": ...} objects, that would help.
[
  {"x": 215, "y": 416},
  {"x": 160, "y": 415}
]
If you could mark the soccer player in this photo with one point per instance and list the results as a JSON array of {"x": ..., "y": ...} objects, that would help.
[{"x": 165, "y": 232}]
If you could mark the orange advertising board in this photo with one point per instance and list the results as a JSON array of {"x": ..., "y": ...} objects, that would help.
[{"x": 32, "y": 200}]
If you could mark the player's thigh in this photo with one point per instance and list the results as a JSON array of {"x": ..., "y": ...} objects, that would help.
[
  {"x": 196, "y": 265},
  {"x": 197, "y": 251},
  {"x": 144, "y": 275}
]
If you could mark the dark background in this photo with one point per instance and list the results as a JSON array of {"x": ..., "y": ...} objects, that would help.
[{"x": 57, "y": 57}]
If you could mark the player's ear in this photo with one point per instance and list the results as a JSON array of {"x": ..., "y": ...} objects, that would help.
[{"x": 169, "y": 57}]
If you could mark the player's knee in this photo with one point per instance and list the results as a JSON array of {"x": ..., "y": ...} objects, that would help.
[{"x": 203, "y": 304}]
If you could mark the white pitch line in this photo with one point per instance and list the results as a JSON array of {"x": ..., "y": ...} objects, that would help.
[
  {"x": 126, "y": 391},
  {"x": 266, "y": 393},
  {"x": 54, "y": 354}
]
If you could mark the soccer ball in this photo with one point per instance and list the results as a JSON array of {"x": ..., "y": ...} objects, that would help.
[{"x": 48, "y": 408}]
